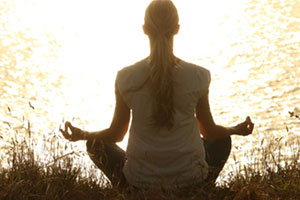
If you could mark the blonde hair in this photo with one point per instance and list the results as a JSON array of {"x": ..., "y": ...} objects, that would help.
[{"x": 161, "y": 24}]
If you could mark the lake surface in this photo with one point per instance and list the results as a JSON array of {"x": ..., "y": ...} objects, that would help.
[{"x": 50, "y": 73}]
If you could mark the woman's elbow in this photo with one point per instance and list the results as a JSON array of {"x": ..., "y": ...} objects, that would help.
[
  {"x": 207, "y": 132},
  {"x": 207, "y": 135},
  {"x": 117, "y": 135},
  {"x": 216, "y": 132},
  {"x": 119, "y": 138},
  {"x": 210, "y": 133}
]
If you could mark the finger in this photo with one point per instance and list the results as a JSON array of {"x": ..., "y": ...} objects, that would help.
[
  {"x": 66, "y": 126},
  {"x": 65, "y": 134},
  {"x": 61, "y": 130},
  {"x": 251, "y": 127},
  {"x": 244, "y": 125},
  {"x": 248, "y": 119},
  {"x": 70, "y": 126}
]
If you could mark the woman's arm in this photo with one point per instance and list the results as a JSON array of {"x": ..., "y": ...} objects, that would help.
[
  {"x": 210, "y": 130},
  {"x": 116, "y": 131}
]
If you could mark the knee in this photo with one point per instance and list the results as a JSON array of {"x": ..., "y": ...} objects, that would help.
[
  {"x": 223, "y": 146},
  {"x": 228, "y": 143},
  {"x": 90, "y": 146}
]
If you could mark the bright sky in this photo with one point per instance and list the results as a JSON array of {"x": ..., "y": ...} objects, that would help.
[
  {"x": 101, "y": 36},
  {"x": 97, "y": 31}
]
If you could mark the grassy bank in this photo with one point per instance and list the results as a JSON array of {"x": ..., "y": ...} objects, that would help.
[{"x": 270, "y": 175}]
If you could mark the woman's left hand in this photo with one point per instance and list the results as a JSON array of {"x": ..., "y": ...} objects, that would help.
[{"x": 75, "y": 135}]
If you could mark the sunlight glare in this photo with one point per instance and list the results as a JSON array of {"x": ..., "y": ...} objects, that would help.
[{"x": 98, "y": 38}]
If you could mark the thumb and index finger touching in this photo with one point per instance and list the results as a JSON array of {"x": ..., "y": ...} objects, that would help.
[
  {"x": 249, "y": 125},
  {"x": 65, "y": 132}
]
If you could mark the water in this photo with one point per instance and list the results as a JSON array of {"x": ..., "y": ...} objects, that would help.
[{"x": 63, "y": 67}]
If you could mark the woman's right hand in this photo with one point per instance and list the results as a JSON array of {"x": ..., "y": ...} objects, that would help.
[{"x": 245, "y": 128}]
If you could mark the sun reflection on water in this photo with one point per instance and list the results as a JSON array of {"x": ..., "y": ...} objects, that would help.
[{"x": 97, "y": 38}]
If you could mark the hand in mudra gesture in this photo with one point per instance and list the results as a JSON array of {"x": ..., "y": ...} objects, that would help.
[
  {"x": 72, "y": 133},
  {"x": 245, "y": 128}
]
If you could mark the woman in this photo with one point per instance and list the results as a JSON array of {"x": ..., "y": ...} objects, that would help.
[{"x": 168, "y": 101}]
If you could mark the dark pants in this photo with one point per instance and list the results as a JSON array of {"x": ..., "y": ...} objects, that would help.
[{"x": 110, "y": 158}]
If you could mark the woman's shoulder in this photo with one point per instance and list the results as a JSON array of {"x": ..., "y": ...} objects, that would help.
[
  {"x": 192, "y": 67},
  {"x": 194, "y": 70},
  {"x": 192, "y": 77},
  {"x": 137, "y": 66},
  {"x": 133, "y": 74}
]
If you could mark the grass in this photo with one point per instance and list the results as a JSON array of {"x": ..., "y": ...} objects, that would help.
[{"x": 270, "y": 175}]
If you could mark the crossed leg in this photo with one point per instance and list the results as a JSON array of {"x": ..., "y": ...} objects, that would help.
[
  {"x": 110, "y": 158},
  {"x": 217, "y": 153}
]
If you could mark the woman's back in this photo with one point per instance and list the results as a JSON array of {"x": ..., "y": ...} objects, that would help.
[
  {"x": 159, "y": 155},
  {"x": 168, "y": 100}
]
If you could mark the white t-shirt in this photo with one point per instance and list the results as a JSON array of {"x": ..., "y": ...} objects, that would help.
[{"x": 158, "y": 157}]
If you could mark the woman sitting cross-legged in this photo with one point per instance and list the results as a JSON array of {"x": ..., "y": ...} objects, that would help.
[{"x": 173, "y": 139}]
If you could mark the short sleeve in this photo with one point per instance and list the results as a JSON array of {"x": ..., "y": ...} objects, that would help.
[
  {"x": 123, "y": 84},
  {"x": 203, "y": 80}
]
